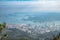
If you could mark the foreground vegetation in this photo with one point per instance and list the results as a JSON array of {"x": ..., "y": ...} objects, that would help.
[
  {"x": 2, "y": 26},
  {"x": 57, "y": 37}
]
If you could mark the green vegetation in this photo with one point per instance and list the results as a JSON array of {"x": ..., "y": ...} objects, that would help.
[
  {"x": 57, "y": 37},
  {"x": 2, "y": 26}
]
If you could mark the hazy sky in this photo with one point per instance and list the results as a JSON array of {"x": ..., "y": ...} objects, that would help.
[
  {"x": 29, "y": 6},
  {"x": 12, "y": 7}
]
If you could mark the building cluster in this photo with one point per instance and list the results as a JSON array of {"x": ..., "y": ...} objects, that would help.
[{"x": 39, "y": 28}]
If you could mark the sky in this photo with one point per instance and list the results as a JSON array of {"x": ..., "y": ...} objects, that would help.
[
  {"x": 9, "y": 8},
  {"x": 29, "y": 6},
  {"x": 29, "y": 0}
]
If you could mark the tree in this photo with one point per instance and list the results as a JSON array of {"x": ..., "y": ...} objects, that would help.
[
  {"x": 3, "y": 26},
  {"x": 57, "y": 37}
]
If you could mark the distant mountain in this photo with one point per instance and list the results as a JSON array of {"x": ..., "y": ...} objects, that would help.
[
  {"x": 24, "y": 17},
  {"x": 44, "y": 17}
]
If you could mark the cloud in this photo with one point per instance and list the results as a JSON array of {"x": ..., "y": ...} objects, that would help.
[
  {"x": 26, "y": 17},
  {"x": 8, "y": 9},
  {"x": 29, "y": 6}
]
